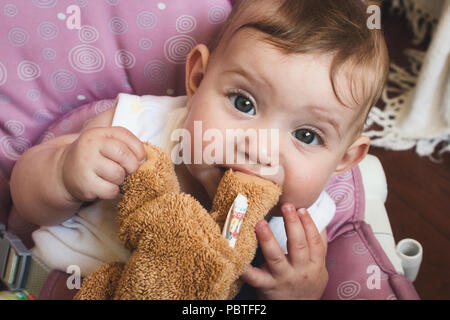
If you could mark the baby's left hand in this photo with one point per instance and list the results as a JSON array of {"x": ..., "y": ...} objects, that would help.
[{"x": 301, "y": 274}]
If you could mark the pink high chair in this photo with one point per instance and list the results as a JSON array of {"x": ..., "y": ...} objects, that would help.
[{"x": 62, "y": 62}]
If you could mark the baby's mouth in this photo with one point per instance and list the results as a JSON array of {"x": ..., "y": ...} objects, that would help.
[{"x": 224, "y": 168}]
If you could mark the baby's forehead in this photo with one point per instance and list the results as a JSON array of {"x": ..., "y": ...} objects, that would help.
[
  {"x": 360, "y": 63},
  {"x": 290, "y": 80}
]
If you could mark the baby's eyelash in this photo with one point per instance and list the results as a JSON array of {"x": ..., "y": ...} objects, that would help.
[
  {"x": 318, "y": 134},
  {"x": 242, "y": 93}
]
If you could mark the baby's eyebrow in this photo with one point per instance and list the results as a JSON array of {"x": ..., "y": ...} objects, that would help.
[
  {"x": 251, "y": 77},
  {"x": 323, "y": 114}
]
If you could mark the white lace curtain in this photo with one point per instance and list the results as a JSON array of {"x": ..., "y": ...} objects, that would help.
[{"x": 417, "y": 111}]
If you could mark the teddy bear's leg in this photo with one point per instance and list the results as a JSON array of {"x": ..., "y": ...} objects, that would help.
[
  {"x": 102, "y": 283},
  {"x": 156, "y": 176},
  {"x": 262, "y": 195},
  {"x": 177, "y": 256}
]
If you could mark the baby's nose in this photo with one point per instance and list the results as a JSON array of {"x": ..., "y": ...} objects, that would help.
[
  {"x": 262, "y": 154},
  {"x": 253, "y": 151}
]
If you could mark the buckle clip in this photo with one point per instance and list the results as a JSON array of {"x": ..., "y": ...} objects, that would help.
[{"x": 14, "y": 260}]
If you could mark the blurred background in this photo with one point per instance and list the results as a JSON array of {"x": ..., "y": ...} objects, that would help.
[{"x": 418, "y": 198}]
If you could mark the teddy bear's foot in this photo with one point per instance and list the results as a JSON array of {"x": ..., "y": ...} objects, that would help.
[
  {"x": 262, "y": 195},
  {"x": 102, "y": 283}
]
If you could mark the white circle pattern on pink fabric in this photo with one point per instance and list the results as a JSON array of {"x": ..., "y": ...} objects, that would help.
[
  {"x": 82, "y": 3},
  {"x": 359, "y": 248},
  {"x": 47, "y": 136},
  {"x": 177, "y": 48},
  {"x": 348, "y": 290},
  {"x": 118, "y": 25},
  {"x": 45, "y": 3},
  {"x": 113, "y": 2},
  {"x": 47, "y": 30},
  {"x": 347, "y": 175},
  {"x": 145, "y": 43},
  {"x": 88, "y": 34},
  {"x": 186, "y": 23},
  {"x": 85, "y": 58},
  {"x": 33, "y": 94},
  {"x": 18, "y": 36},
  {"x": 3, "y": 74},
  {"x": 124, "y": 59},
  {"x": 10, "y": 10},
  {"x": 64, "y": 80},
  {"x": 47, "y": 65},
  {"x": 49, "y": 54},
  {"x": 343, "y": 195},
  {"x": 156, "y": 71},
  {"x": 15, "y": 127},
  {"x": 13, "y": 147},
  {"x": 217, "y": 14},
  {"x": 146, "y": 20},
  {"x": 43, "y": 116},
  {"x": 102, "y": 106},
  {"x": 28, "y": 70}
]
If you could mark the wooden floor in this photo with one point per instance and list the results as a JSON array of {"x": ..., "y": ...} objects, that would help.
[
  {"x": 418, "y": 202},
  {"x": 418, "y": 205}
]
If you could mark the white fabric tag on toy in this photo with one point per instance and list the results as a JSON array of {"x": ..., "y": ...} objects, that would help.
[{"x": 234, "y": 219}]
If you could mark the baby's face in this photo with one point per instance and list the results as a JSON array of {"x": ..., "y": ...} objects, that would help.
[{"x": 253, "y": 86}]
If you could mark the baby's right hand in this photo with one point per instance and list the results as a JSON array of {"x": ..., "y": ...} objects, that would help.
[{"x": 95, "y": 164}]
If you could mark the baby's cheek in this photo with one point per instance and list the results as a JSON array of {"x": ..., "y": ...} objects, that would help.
[{"x": 303, "y": 191}]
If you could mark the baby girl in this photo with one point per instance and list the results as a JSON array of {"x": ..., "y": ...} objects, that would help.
[{"x": 307, "y": 69}]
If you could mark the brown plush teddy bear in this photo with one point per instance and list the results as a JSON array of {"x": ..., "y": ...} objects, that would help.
[{"x": 178, "y": 251}]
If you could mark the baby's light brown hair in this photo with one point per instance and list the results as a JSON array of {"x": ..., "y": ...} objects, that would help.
[{"x": 336, "y": 27}]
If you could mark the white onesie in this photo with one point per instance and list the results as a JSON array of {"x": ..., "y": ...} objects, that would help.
[{"x": 89, "y": 239}]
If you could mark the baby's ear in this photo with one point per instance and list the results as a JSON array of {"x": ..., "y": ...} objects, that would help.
[
  {"x": 196, "y": 63},
  {"x": 354, "y": 154}
]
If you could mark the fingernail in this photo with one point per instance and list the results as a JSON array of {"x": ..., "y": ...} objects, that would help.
[
  {"x": 301, "y": 211},
  {"x": 288, "y": 208},
  {"x": 261, "y": 226}
]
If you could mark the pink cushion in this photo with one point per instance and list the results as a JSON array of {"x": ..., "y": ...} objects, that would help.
[
  {"x": 53, "y": 80},
  {"x": 47, "y": 69},
  {"x": 357, "y": 266}
]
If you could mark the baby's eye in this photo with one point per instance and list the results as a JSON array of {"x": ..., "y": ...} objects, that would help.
[
  {"x": 307, "y": 136},
  {"x": 242, "y": 103}
]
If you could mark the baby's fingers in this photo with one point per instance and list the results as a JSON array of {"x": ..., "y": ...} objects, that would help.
[
  {"x": 277, "y": 262},
  {"x": 316, "y": 246},
  {"x": 297, "y": 244},
  {"x": 120, "y": 153},
  {"x": 257, "y": 278},
  {"x": 110, "y": 171}
]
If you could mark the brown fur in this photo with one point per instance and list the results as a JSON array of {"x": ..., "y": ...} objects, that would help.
[{"x": 178, "y": 251}]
